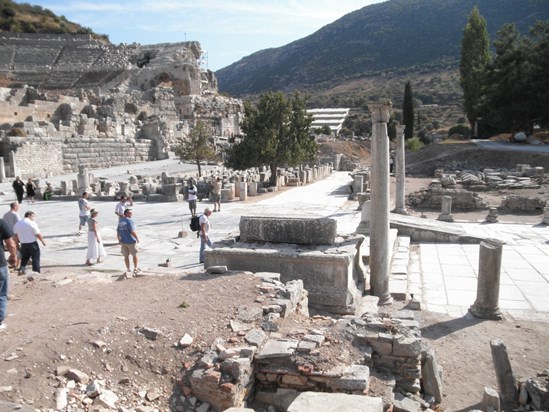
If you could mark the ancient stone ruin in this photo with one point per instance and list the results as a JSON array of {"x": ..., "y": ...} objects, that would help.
[{"x": 71, "y": 100}]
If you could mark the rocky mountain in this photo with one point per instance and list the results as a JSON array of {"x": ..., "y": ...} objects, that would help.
[{"x": 397, "y": 35}]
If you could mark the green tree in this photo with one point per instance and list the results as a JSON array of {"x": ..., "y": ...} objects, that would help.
[
  {"x": 510, "y": 97},
  {"x": 276, "y": 132},
  {"x": 197, "y": 146},
  {"x": 408, "y": 111},
  {"x": 539, "y": 57},
  {"x": 475, "y": 57}
]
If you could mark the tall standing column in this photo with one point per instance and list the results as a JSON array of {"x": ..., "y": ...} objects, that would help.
[
  {"x": 380, "y": 197},
  {"x": 400, "y": 207}
]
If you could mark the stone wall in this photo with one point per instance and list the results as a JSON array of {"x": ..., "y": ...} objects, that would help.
[{"x": 38, "y": 157}]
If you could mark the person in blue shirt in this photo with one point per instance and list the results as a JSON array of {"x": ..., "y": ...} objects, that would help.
[{"x": 128, "y": 239}]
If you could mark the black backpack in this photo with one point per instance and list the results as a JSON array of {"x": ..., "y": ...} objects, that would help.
[{"x": 195, "y": 223}]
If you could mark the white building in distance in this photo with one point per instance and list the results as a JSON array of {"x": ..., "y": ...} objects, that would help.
[{"x": 333, "y": 118}]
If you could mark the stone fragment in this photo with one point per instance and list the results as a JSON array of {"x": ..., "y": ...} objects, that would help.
[
  {"x": 185, "y": 341},
  {"x": 153, "y": 394},
  {"x": 255, "y": 337},
  {"x": 317, "y": 339},
  {"x": 61, "y": 400},
  {"x": 149, "y": 333},
  {"x": 5, "y": 389},
  {"x": 335, "y": 402},
  {"x": 205, "y": 407},
  {"x": 240, "y": 326},
  {"x": 98, "y": 343},
  {"x": 106, "y": 399},
  {"x": 504, "y": 374},
  {"x": 538, "y": 389},
  {"x": 77, "y": 376},
  {"x": 306, "y": 346},
  {"x": 353, "y": 378},
  {"x": 276, "y": 348},
  {"x": 431, "y": 376},
  {"x": 490, "y": 400},
  {"x": 216, "y": 270},
  {"x": 248, "y": 314},
  {"x": 402, "y": 403}
]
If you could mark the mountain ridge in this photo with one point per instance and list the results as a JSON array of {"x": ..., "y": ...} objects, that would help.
[{"x": 378, "y": 37}]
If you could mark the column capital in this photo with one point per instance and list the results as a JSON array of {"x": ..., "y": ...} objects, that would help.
[
  {"x": 400, "y": 129},
  {"x": 380, "y": 112}
]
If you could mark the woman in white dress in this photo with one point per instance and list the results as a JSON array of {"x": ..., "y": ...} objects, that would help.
[{"x": 96, "y": 251}]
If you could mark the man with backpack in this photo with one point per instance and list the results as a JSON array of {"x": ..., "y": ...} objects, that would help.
[{"x": 205, "y": 227}]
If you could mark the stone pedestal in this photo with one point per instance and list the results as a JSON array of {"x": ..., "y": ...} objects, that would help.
[
  {"x": 400, "y": 207},
  {"x": 82, "y": 178},
  {"x": 492, "y": 215},
  {"x": 446, "y": 215},
  {"x": 545, "y": 215},
  {"x": 357, "y": 185},
  {"x": 13, "y": 163},
  {"x": 486, "y": 305},
  {"x": 252, "y": 188},
  {"x": 242, "y": 191},
  {"x": 2, "y": 170},
  {"x": 379, "y": 221}
]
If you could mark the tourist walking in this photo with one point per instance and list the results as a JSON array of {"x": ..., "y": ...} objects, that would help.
[
  {"x": 11, "y": 217},
  {"x": 96, "y": 251},
  {"x": 192, "y": 196},
  {"x": 205, "y": 227},
  {"x": 6, "y": 238},
  {"x": 84, "y": 211},
  {"x": 128, "y": 239},
  {"x": 216, "y": 190},
  {"x": 27, "y": 234},
  {"x": 19, "y": 188},
  {"x": 125, "y": 203},
  {"x": 31, "y": 190}
]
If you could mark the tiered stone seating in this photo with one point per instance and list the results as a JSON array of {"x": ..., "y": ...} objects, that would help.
[
  {"x": 34, "y": 58},
  {"x": 6, "y": 56},
  {"x": 28, "y": 77},
  {"x": 61, "y": 80},
  {"x": 92, "y": 79},
  {"x": 78, "y": 57}
]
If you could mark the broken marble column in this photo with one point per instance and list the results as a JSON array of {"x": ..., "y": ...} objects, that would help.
[
  {"x": 380, "y": 255},
  {"x": 400, "y": 207},
  {"x": 13, "y": 163},
  {"x": 446, "y": 215},
  {"x": 486, "y": 305},
  {"x": 82, "y": 179},
  {"x": 492, "y": 215},
  {"x": 357, "y": 184},
  {"x": 545, "y": 215},
  {"x": 504, "y": 375},
  {"x": 243, "y": 192},
  {"x": 2, "y": 170},
  {"x": 364, "y": 225}
]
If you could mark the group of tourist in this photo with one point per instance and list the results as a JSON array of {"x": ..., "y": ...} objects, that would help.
[
  {"x": 20, "y": 188},
  {"x": 21, "y": 236}
]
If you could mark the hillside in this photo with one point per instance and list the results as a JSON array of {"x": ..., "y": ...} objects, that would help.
[
  {"x": 381, "y": 39},
  {"x": 26, "y": 18}
]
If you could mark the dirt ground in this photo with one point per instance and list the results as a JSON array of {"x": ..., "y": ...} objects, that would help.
[{"x": 93, "y": 325}]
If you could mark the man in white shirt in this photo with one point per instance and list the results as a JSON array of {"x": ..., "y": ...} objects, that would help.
[
  {"x": 191, "y": 193},
  {"x": 205, "y": 226},
  {"x": 125, "y": 203},
  {"x": 27, "y": 234},
  {"x": 84, "y": 211}
]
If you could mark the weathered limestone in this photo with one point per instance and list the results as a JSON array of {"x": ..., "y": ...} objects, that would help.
[
  {"x": 446, "y": 215},
  {"x": 242, "y": 191},
  {"x": 334, "y": 402},
  {"x": 400, "y": 206},
  {"x": 490, "y": 399},
  {"x": 379, "y": 221},
  {"x": 504, "y": 374},
  {"x": 545, "y": 215},
  {"x": 492, "y": 215},
  {"x": 487, "y": 303},
  {"x": 298, "y": 230},
  {"x": 2, "y": 170}
]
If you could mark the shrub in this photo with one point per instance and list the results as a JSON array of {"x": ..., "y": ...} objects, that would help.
[
  {"x": 413, "y": 144},
  {"x": 461, "y": 129}
]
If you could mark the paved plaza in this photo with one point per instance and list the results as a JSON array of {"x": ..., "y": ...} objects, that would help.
[{"x": 447, "y": 272}]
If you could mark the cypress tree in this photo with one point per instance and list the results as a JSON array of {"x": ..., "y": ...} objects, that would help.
[
  {"x": 475, "y": 57},
  {"x": 408, "y": 112}
]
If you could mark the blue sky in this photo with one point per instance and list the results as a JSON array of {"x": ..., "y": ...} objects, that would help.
[{"x": 226, "y": 29}]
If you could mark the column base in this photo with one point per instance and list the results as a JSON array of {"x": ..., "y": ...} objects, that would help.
[
  {"x": 486, "y": 313},
  {"x": 385, "y": 300},
  {"x": 445, "y": 218},
  {"x": 402, "y": 211}
]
